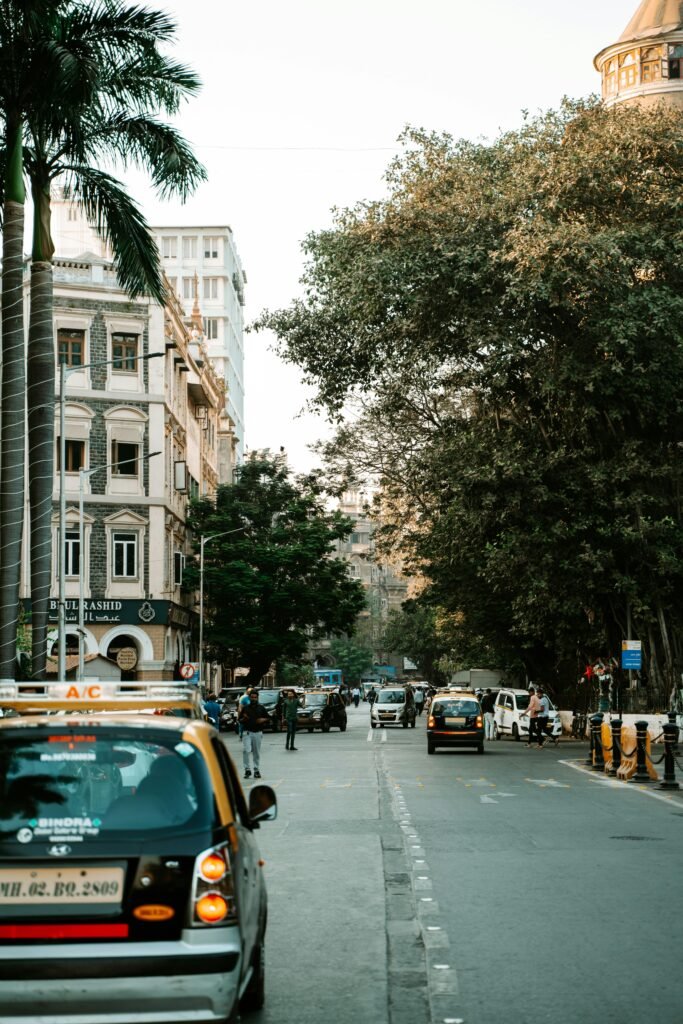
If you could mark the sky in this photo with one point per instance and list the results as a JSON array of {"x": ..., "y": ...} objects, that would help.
[{"x": 301, "y": 106}]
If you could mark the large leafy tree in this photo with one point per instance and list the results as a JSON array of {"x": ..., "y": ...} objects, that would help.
[
  {"x": 352, "y": 656},
  {"x": 130, "y": 84},
  {"x": 271, "y": 583},
  {"x": 517, "y": 305}
]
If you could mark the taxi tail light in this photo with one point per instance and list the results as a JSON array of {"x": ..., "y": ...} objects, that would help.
[
  {"x": 213, "y": 891},
  {"x": 430, "y": 722},
  {"x": 480, "y": 722}
]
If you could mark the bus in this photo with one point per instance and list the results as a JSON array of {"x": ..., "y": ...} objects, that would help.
[{"x": 328, "y": 677}]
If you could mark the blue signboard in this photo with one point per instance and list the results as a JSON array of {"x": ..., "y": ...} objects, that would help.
[{"x": 631, "y": 654}]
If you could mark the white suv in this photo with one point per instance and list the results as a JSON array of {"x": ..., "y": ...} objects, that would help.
[{"x": 508, "y": 719}]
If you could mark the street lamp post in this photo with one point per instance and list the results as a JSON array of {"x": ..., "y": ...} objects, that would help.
[
  {"x": 82, "y": 473},
  {"x": 205, "y": 539},
  {"x": 64, "y": 370}
]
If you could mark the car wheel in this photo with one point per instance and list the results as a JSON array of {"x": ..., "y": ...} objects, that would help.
[
  {"x": 255, "y": 993},
  {"x": 496, "y": 732},
  {"x": 325, "y": 728},
  {"x": 480, "y": 748},
  {"x": 430, "y": 748},
  {"x": 515, "y": 732},
  {"x": 342, "y": 727},
  {"x": 405, "y": 724},
  {"x": 310, "y": 730},
  {"x": 381, "y": 725}
]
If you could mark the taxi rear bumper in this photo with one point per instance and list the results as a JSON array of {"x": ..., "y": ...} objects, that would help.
[{"x": 152, "y": 983}]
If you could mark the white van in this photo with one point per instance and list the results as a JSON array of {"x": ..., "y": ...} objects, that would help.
[{"x": 508, "y": 719}]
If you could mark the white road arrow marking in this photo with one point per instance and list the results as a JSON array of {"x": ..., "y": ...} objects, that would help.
[
  {"x": 488, "y": 800},
  {"x": 506, "y": 794},
  {"x": 549, "y": 782}
]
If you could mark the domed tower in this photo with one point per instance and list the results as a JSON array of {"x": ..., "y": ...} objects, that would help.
[{"x": 646, "y": 64}]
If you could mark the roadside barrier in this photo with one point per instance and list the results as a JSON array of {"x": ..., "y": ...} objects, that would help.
[
  {"x": 612, "y": 767},
  {"x": 670, "y": 746},
  {"x": 598, "y": 761}
]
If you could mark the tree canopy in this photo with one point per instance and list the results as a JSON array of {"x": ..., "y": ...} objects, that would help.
[
  {"x": 508, "y": 319},
  {"x": 271, "y": 583},
  {"x": 352, "y": 656}
]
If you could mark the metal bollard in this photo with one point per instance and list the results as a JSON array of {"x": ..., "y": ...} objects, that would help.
[
  {"x": 670, "y": 738},
  {"x": 596, "y": 736},
  {"x": 673, "y": 720},
  {"x": 641, "y": 774},
  {"x": 616, "y": 725},
  {"x": 589, "y": 759}
]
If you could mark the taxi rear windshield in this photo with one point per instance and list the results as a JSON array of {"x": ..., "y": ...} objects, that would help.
[
  {"x": 98, "y": 783},
  {"x": 456, "y": 707}
]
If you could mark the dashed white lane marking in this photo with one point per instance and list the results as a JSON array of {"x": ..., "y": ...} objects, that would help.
[
  {"x": 616, "y": 784},
  {"x": 549, "y": 782},
  {"x": 384, "y": 736},
  {"x": 370, "y": 735}
]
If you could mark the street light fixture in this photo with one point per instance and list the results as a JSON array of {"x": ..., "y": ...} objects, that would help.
[
  {"x": 64, "y": 370},
  {"x": 82, "y": 473},
  {"x": 205, "y": 539}
]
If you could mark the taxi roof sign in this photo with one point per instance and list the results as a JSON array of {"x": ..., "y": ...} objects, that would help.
[{"x": 92, "y": 695}]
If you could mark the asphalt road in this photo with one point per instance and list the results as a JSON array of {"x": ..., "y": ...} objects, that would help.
[{"x": 410, "y": 889}]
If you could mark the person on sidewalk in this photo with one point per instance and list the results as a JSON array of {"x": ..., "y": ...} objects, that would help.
[
  {"x": 213, "y": 710},
  {"x": 488, "y": 703},
  {"x": 531, "y": 712},
  {"x": 242, "y": 703},
  {"x": 253, "y": 717},
  {"x": 291, "y": 710},
  {"x": 543, "y": 716}
]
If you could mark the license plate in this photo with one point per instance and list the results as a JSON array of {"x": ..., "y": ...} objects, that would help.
[
  {"x": 455, "y": 721},
  {"x": 31, "y": 886}
]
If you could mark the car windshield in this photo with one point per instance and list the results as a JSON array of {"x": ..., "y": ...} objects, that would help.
[
  {"x": 392, "y": 697},
  {"x": 267, "y": 697},
  {"x": 76, "y": 785},
  {"x": 455, "y": 707},
  {"x": 315, "y": 700}
]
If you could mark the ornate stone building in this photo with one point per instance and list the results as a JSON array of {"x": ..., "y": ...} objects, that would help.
[{"x": 645, "y": 65}]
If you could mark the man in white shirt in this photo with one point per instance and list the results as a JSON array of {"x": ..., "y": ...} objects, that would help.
[
  {"x": 542, "y": 717},
  {"x": 532, "y": 712}
]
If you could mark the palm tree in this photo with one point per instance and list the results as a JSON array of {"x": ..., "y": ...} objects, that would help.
[
  {"x": 129, "y": 78},
  {"x": 67, "y": 68}
]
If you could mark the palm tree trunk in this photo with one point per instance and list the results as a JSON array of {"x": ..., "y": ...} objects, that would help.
[
  {"x": 41, "y": 420},
  {"x": 12, "y": 441}
]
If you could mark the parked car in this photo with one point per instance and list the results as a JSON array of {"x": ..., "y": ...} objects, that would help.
[
  {"x": 395, "y": 705},
  {"x": 271, "y": 700},
  {"x": 508, "y": 719},
  {"x": 455, "y": 720},
  {"x": 321, "y": 709},
  {"x": 109, "y": 884}
]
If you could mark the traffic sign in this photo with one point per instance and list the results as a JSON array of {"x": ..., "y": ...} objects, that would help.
[
  {"x": 187, "y": 670},
  {"x": 631, "y": 654}
]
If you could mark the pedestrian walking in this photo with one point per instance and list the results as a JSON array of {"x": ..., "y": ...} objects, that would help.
[
  {"x": 531, "y": 712},
  {"x": 488, "y": 703},
  {"x": 543, "y": 716},
  {"x": 242, "y": 703},
  {"x": 213, "y": 709},
  {"x": 291, "y": 710},
  {"x": 253, "y": 717},
  {"x": 419, "y": 700},
  {"x": 372, "y": 696},
  {"x": 355, "y": 693}
]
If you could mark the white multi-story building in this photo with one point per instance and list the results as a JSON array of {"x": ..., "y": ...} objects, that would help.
[{"x": 203, "y": 263}]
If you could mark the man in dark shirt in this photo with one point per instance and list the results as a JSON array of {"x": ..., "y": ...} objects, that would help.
[
  {"x": 254, "y": 718},
  {"x": 488, "y": 703}
]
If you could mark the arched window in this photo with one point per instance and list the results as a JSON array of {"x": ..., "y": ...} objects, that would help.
[
  {"x": 627, "y": 69},
  {"x": 610, "y": 77},
  {"x": 650, "y": 64}
]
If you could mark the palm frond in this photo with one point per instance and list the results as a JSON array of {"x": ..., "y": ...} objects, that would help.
[{"x": 119, "y": 220}]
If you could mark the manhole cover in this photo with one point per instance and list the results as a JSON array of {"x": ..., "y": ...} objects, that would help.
[{"x": 639, "y": 839}]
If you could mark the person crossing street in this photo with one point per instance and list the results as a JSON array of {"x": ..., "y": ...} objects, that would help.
[
  {"x": 488, "y": 702},
  {"x": 291, "y": 710},
  {"x": 253, "y": 717}
]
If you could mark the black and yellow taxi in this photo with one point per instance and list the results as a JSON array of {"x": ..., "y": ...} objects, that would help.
[
  {"x": 321, "y": 709},
  {"x": 455, "y": 720},
  {"x": 131, "y": 887}
]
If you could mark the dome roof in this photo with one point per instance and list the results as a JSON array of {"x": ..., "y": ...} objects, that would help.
[{"x": 654, "y": 18}]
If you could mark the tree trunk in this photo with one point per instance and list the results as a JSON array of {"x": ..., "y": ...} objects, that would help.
[
  {"x": 257, "y": 670},
  {"x": 41, "y": 420},
  {"x": 12, "y": 441}
]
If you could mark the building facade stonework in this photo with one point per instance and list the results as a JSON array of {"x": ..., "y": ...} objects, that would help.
[{"x": 143, "y": 411}]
